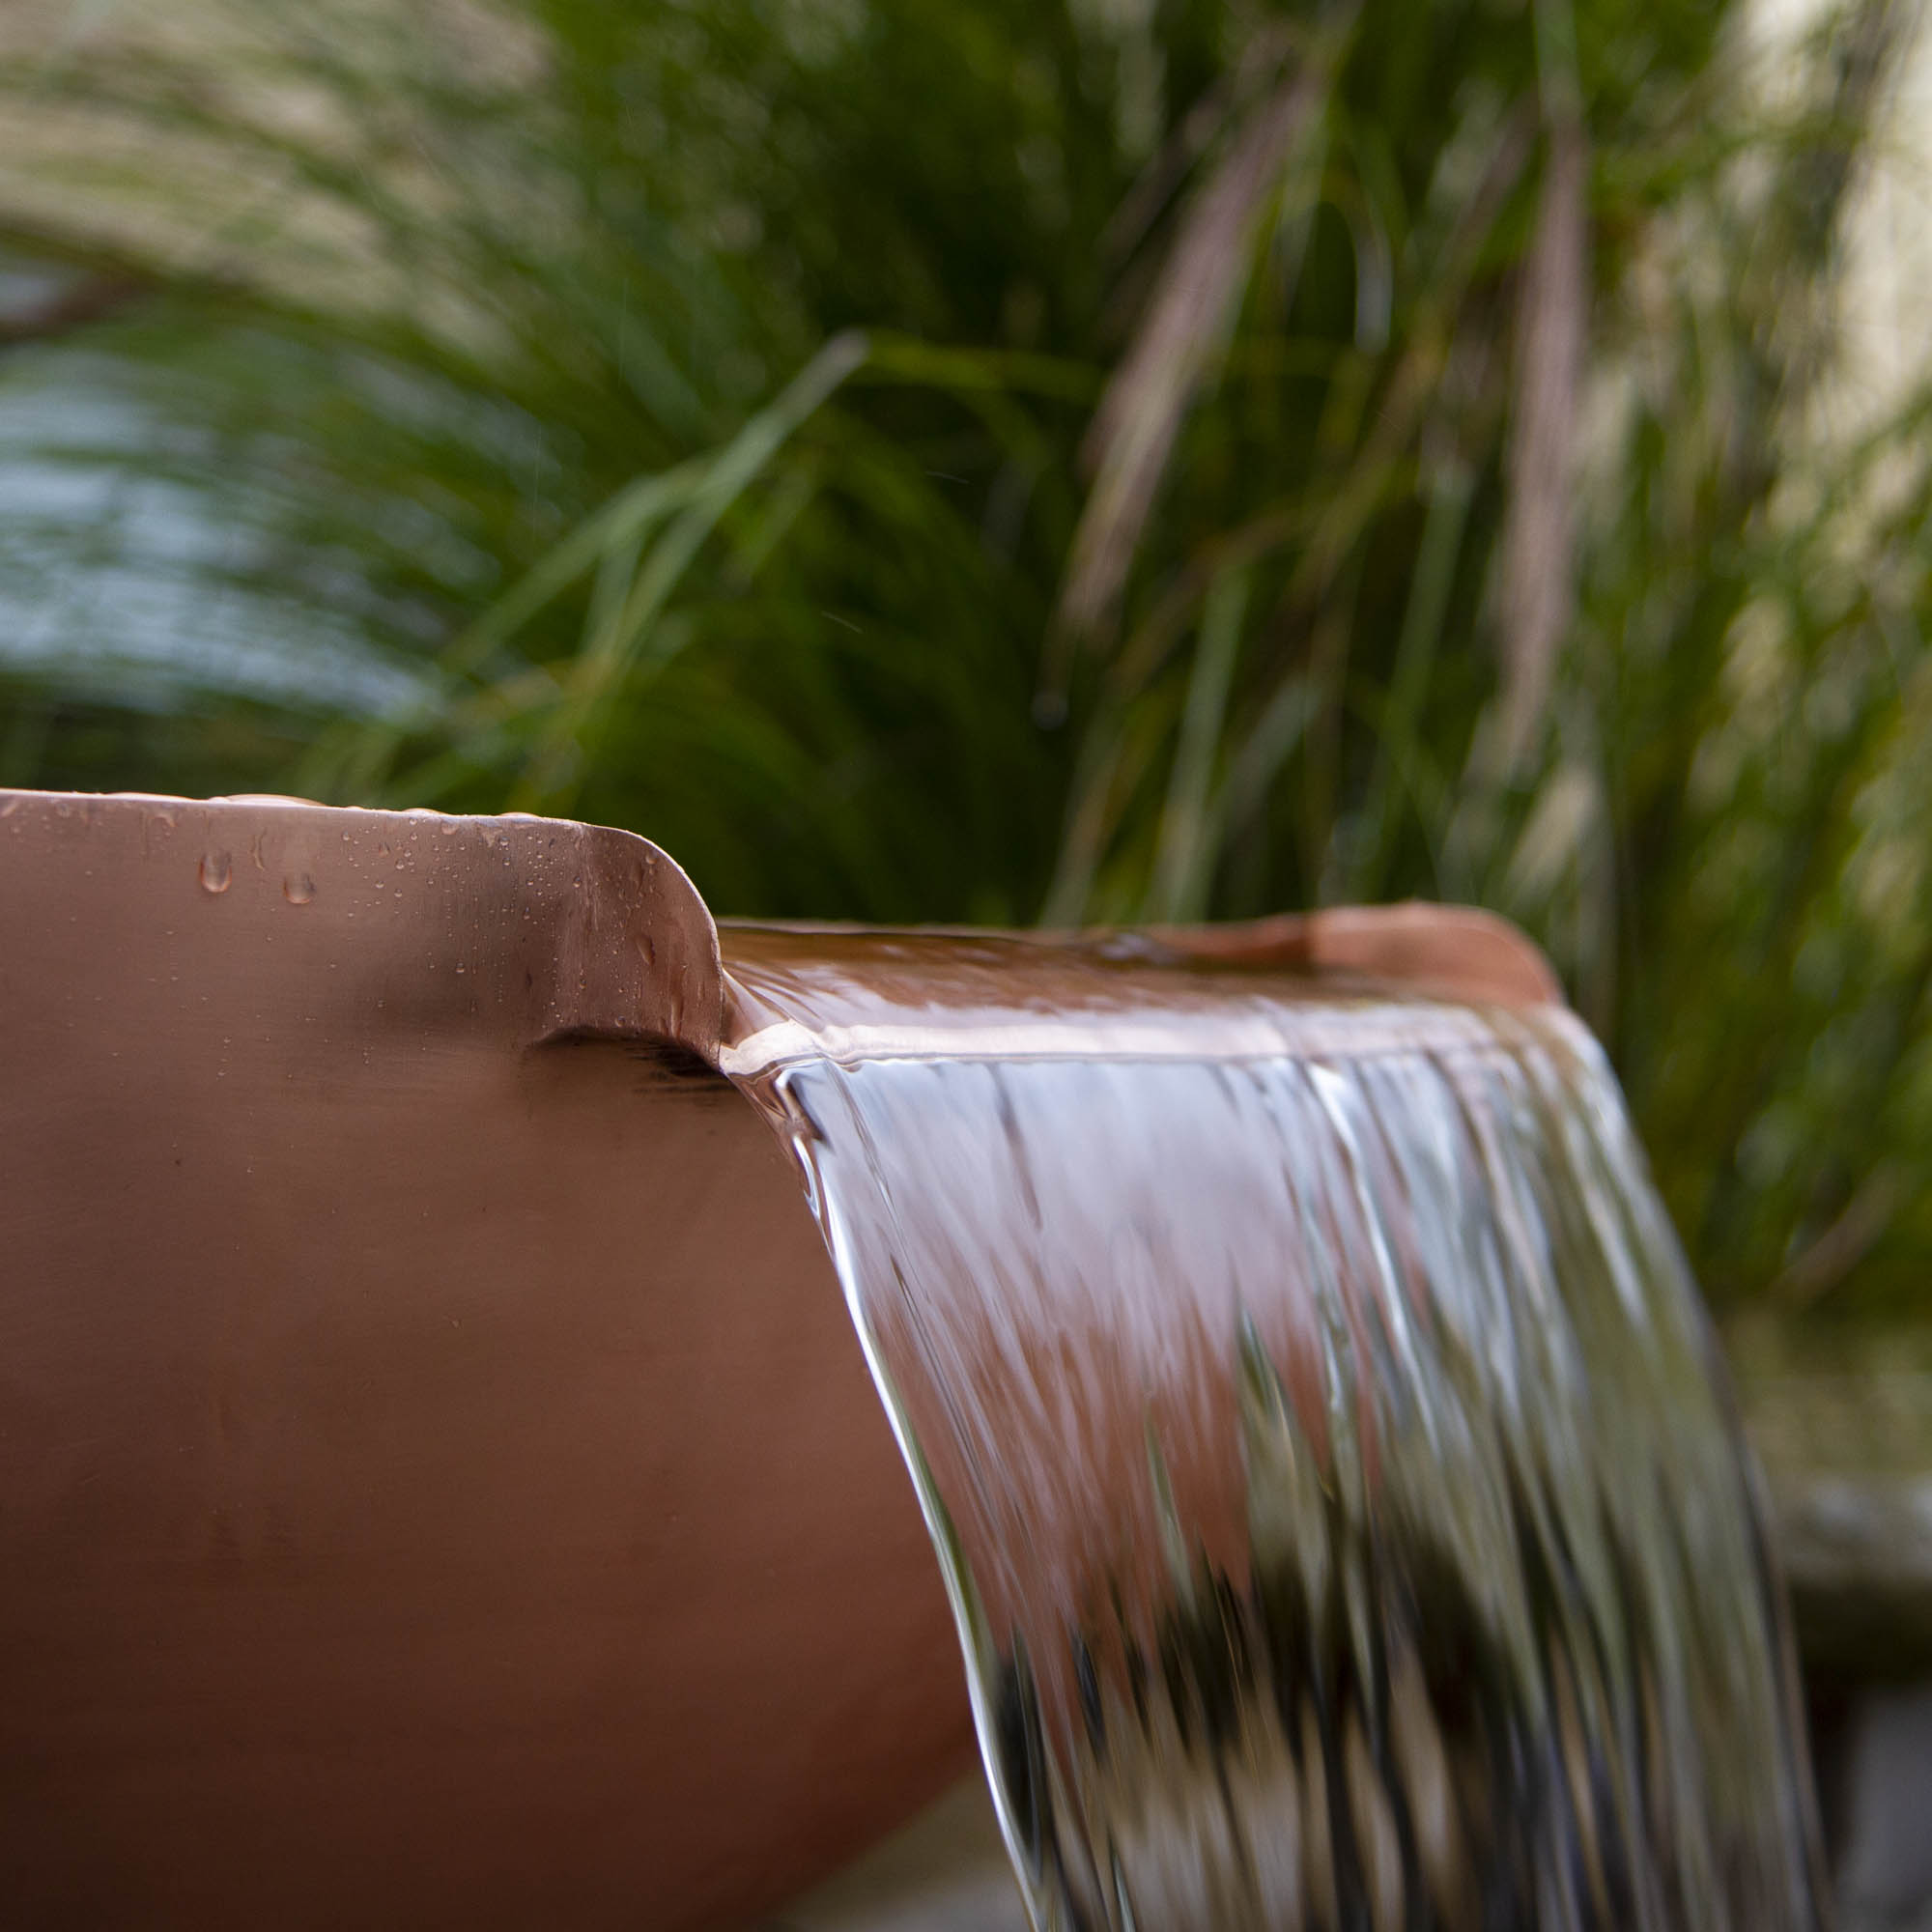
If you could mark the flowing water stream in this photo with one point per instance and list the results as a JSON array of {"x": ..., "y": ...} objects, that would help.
[{"x": 1320, "y": 1433}]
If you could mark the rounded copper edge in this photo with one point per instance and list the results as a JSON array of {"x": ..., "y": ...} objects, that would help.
[
  {"x": 1461, "y": 952},
  {"x": 1457, "y": 953},
  {"x": 533, "y": 929}
]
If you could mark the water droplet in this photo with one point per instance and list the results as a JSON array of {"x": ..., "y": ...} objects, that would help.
[
  {"x": 298, "y": 889},
  {"x": 459, "y": 966},
  {"x": 217, "y": 872}
]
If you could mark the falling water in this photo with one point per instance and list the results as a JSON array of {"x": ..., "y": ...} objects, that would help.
[{"x": 1320, "y": 1433}]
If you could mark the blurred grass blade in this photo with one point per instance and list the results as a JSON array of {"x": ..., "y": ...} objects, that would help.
[
  {"x": 1400, "y": 726},
  {"x": 1537, "y": 562},
  {"x": 1141, "y": 414},
  {"x": 1257, "y": 762},
  {"x": 613, "y": 650},
  {"x": 1183, "y": 866},
  {"x": 622, "y": 524}
]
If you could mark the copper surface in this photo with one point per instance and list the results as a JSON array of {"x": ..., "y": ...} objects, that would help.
[{"x": 439, "y": 1484}]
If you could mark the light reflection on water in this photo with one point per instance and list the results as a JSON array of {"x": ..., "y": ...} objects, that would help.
[{"x": 1325, "y": 1448}]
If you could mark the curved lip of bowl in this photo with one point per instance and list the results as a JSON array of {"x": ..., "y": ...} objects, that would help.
[{"x": 575, "y": 931}]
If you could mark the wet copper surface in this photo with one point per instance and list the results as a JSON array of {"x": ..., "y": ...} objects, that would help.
[{"x": 824, "y": 977}]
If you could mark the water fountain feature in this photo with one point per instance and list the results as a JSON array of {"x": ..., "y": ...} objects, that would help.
[
  {"x": 440, "y": 1482},
  {"x": 1319, "y": 1430}
]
